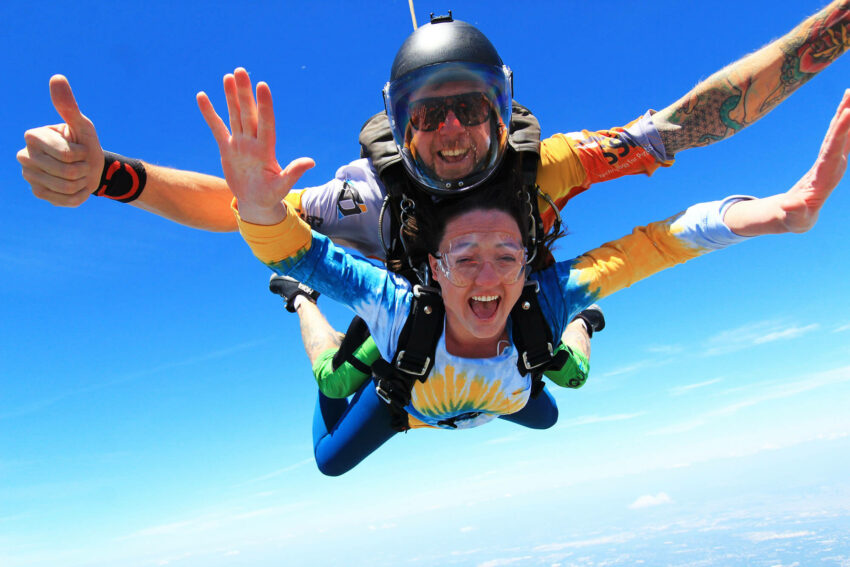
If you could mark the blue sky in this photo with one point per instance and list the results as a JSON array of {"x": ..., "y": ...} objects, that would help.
[{"x": 155, "y": 402}]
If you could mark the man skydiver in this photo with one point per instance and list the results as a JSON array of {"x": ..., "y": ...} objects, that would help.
[{"x": 65, "y": 163}]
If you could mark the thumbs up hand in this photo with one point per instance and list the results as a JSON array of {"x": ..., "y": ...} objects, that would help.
[{"x": 63, "y": 163}]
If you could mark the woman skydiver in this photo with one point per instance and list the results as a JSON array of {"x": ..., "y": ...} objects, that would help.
[{"x": 477, "y": 257}]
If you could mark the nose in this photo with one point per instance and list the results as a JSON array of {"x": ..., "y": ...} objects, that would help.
[
  {"x": 487, "y": 274},
  {"x": 451, "y": 123}
]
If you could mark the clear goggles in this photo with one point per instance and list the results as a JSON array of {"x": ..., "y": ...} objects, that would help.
[
  {"x": 467, "y": 255},
  {"x": 416, "y": 103}
]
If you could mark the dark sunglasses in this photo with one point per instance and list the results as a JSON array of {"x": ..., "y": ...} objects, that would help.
[{"x": 471, "y": 109}]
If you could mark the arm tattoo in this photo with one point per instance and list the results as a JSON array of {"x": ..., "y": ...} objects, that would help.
[
  {"x": 317, "y": 341},
  {"x": 811, "y": 50},
  {"x": 735, "y": 97}
]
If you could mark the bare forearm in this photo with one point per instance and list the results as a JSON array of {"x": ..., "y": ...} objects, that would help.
[
  {"x": 743, "y": 92},
  {"x": 575, "y": 337},
  {"x": 194, "y": 199},
  {"x": 316, "y": 332},
  {"x": 757, "y": 217}
]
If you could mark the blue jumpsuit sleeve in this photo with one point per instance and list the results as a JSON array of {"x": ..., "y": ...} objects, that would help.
[{"x": 380, "y": 298}]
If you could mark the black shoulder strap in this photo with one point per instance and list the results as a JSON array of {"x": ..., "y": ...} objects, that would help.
[
  {"x": 377, "y": 144},
  {"x": 414, "y": 357},
  {"x": 524, "y": 135},
  {"x": 532, "y": 337}
]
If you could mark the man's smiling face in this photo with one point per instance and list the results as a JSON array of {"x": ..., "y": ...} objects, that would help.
[{"x": 452, "y": 150}]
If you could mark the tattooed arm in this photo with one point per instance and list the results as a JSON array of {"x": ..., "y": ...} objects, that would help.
[
  {"x": 743, "y": 92},
  {"x": 316, "y": 332}
]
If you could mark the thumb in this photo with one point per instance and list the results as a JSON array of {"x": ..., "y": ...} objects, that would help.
[
  {"x": 63, "y": 99},
  {"x": 293, "y": 172}
]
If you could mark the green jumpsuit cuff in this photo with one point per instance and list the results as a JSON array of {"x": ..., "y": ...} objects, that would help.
[
  {"x": 346, "y": 379},
  {"x": 574, "y": 372}
]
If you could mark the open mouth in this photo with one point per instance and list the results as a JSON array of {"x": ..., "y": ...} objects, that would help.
[
  {"x": 453, "y": 156},
  {"x": 484, "y": 306}
]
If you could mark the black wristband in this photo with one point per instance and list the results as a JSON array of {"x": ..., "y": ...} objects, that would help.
[
  {"x": 587, "y": 326},
  {"x": 123, "y": 179}
]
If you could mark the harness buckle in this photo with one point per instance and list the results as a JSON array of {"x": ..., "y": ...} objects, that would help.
[
  {"x": 411, "y": 367},
  {"x": 532, "y": 365},
  {"x": 419, "y": 290},
  {"x": 383, "y": 394}
]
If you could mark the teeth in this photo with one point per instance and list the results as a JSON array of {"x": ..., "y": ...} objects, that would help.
[
  {"x": 453, "y": 153},
  {"x": 485, "y": 297}
]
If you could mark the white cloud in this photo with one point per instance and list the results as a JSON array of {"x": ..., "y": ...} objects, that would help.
[
  {"x": 506, "y": 561},
  {"x": 467, "y": 529},
  {"x": 278, "y": 472},
  {"x": 679, "y": 390},
  {"x": 650, "y": 501},
  {"x": 602, "y": 540},
  {"x": 767, "y": 393},
  {"x": 842, "y": 328},
  {"x": 627, "y": 369},
  {"x": 798, "y": 386},
  {"x": 593, "y": 419},
  {"x": 759, "y": 537},
  {"x": 39, "y": 405},
  {"x": 665, "y": 349},
  {"x": 505, "y": 439},
  {"x": 790, "y": 333},
  {"x": 665, "y": 357},
  {"x": 474, "y": 551},
  {"x": 754, "y": 334},
  {"x": 678, "y": 428}
]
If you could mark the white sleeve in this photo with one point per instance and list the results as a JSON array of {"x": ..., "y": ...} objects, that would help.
[{"x": 346, "y": 208}]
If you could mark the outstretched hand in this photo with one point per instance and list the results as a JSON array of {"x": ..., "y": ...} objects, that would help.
[
  {"x": 248, "y": 150},
  {"x": 802, "y": 203},
  {"x": 63, "y": 163},
  {"x": 797, "y": 209}
]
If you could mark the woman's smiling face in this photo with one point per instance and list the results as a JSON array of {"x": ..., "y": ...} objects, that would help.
[{"x": 477, "y": 311}]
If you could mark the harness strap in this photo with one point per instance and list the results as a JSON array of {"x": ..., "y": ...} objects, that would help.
[
  {"x": 418, "y": 341},
  {"x": 532, "y": 338},
  {"x": 355, "y": 336},
  {"x": 413, "y": 359},
  {"x": 394, "y": 389}
]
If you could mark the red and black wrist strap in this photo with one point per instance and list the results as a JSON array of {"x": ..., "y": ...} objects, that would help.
[{"x": 123, "y": 179}]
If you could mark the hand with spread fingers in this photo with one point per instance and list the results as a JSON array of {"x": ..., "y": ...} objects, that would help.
[
  {"x": 63, "y": 163},
  {"x": 797, "y": 209},
  {"x": 248, "y": 150},
  {"x": 802, "y": 203}
]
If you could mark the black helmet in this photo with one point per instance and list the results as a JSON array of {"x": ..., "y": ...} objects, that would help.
[{"x": 449, "y": 66}]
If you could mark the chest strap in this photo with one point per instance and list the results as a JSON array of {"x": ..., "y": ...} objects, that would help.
[{"x": 414, "y": 357}]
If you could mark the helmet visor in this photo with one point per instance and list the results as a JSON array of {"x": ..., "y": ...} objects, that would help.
[{"x": 450, "y": 122}]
